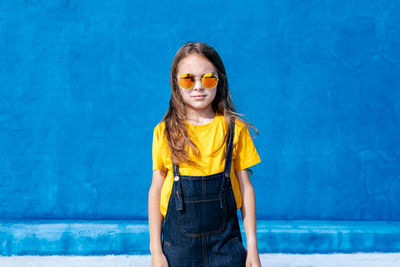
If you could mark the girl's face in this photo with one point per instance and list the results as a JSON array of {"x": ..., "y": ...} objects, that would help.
[{"x": 198, "y": 97}]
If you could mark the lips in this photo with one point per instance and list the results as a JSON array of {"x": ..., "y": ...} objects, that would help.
[{"x": 199, "y": 96}]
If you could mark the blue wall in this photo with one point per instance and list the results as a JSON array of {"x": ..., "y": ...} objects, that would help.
[{"x": 83, "y": 83}]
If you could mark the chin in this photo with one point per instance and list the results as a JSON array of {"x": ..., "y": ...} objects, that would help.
[{"x": 200, "y": 107}]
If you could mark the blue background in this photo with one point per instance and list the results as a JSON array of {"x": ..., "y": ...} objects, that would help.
[{"x": 83, "y": 83}]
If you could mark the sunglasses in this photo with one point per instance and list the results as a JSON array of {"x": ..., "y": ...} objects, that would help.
[{"x": 209, "y": 80}]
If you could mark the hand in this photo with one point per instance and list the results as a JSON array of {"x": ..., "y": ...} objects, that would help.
[
  {"x": 158, "y": 260},
  {"x": 253, "y": 259}
]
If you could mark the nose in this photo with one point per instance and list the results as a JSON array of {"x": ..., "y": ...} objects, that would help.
[{"x": 198, "y": 85}]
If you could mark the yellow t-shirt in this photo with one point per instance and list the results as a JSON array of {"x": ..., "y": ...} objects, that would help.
[{"x": 209, "y": 138}]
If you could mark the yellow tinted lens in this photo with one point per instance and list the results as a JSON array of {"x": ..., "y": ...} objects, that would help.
[
  {"x": 209, "y": 80},
  {"x": 186, "y": 81}
]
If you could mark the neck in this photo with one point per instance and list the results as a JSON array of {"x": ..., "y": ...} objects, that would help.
[{"x": 199, "y": 117}]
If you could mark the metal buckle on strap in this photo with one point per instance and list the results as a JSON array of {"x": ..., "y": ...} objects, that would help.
[
  {"x": 221, "y": 201},
  {"x": 178, "y": 201}
]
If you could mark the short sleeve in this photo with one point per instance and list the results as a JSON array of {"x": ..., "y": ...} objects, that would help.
[
  {"x": 158, "y": 140},
  {"x": 246, "y": 153}
]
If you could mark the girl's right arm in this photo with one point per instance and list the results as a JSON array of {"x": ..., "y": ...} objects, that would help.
[{"x": 156, "y": 219}]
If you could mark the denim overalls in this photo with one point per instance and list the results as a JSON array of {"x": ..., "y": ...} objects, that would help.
[{"x": 201, "y": 226}]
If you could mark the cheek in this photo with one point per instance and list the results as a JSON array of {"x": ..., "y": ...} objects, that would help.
[
  {"x": 214, "y": 93},
  {"x": 185, "y": 95}
]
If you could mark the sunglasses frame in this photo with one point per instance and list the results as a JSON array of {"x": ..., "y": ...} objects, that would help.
[{"x": 195, "y": 78}]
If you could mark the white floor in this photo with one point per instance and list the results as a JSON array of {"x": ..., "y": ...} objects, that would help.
[{"x": 267, "y": 260}]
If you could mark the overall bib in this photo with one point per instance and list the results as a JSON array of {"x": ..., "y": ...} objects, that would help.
[{"x": 201, "y": 227}]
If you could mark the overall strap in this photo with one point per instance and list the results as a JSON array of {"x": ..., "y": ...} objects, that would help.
[
  {"x": 228, "y": 162},
  {"x": 177, "y": 188}
]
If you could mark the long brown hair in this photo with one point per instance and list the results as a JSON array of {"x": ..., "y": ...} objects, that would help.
[{"x": 177, "y": 135}]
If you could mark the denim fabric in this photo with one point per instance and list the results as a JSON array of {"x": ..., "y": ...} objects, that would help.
[{"x": 201, "y": 226}]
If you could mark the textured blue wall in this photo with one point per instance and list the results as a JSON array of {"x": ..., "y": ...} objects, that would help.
[{"x": 83, "y": 83}]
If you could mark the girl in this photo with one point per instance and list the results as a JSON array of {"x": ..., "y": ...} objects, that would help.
[{"x": 201, "y": 154}]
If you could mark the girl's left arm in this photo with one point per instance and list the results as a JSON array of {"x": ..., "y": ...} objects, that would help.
[{"x": 249, "y": 217}]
